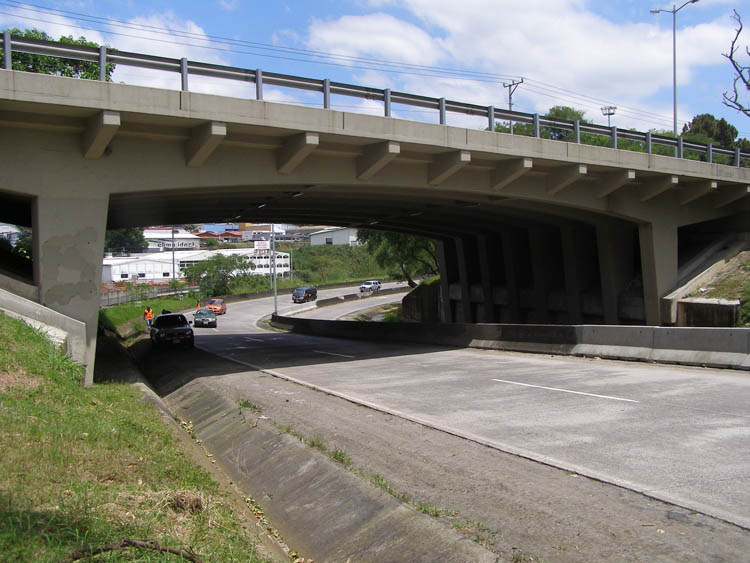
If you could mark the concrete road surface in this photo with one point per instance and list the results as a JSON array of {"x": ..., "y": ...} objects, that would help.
[{"x": 674, "y": 433}]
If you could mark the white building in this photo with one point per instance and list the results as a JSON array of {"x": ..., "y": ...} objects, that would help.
[
  {"x": 158, "y": 266},
  {"x": 161, "y": 239},
  {"x": 335, "y": 235},
  {"x": 11, "y": 233}
]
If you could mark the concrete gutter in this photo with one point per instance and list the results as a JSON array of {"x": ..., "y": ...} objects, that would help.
[
  {"x": 69, "y": 333},
  {"x": 710, "y": 347},
  {"x": 322, "y": 510}
]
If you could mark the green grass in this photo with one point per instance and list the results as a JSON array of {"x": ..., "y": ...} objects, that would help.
[
  {"x": 128, "y": 317},
  {"x": 245, "y": 404},
  {"x": 393, "y": 314},
  {"x": 89, "y": 466}
]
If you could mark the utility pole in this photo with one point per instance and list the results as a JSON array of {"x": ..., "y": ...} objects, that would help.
[
  {"x": 273, "y": 269},
  {"x": 511, "y": 88},
  {"x": 173, "y": 268},
  {"x": 609, "y": 111}
]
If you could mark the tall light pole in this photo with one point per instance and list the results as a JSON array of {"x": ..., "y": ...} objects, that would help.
[{"x": 674, "y": 11}]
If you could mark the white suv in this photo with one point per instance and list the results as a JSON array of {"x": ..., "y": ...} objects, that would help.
[{"x": 370, "y": 285}]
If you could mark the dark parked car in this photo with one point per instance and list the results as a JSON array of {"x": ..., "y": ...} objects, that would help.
[
  {"x": 173, "y": 328},
  {"x": 304, "y": 293},
  {"x": 204, "y": 317}
]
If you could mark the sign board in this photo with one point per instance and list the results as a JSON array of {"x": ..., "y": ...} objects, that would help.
[{"x": 262, "y": 245}]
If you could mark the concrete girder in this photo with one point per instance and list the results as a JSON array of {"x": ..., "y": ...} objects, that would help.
[
  {"x": 203, "y": 141},
  {"x": 697, "y": 190},
  {"x": 100, "y": 129},
  {"x": 375, "y": 157},
  {"x": 614, "y": 181},
  {"x": 657, "y": 187},
  {"x": 568, "y": 175},
  {"x": 295, "y": 149},
  {"x": 445, "y": 166},
  {"x": 507, "y": 173},
  {"x": 727, "y": 195}
]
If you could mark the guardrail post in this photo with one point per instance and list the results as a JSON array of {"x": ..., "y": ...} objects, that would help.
[
  {"x": 737, "y": 157},
  {"x": 258, "y": 84},
  {"x": 537, "y": 132},
  {"x": 441, "y": 106},
  {"x": 103, "y": 63},
  {"x": 7, "y": 50},
  {"x": 327, "y": 93},
  {"x": 577, "y": 131},
  {"x": 709, "y": 152},
  {"x": 614, "y": 136},
  {"x": 649, "y": 146},
  {"x": 680, "y": 148},
  {"x": 491, "y": 117},
  {"x": 387, "y": 101},
  {"x": 184, "y": 73}
]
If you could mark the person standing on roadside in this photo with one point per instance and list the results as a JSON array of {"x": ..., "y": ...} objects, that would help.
[{"x": 148, "y": 315}]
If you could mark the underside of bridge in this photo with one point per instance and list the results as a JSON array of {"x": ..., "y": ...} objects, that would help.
[{"x": 528, "y": 230}]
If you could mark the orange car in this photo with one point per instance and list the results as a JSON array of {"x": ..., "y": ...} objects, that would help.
[{"x": 217, "y": 306}]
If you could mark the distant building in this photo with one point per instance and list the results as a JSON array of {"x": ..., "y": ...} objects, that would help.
[
  {"x": 220, "y": 227},
  {"x": 160, "y": 240},
  {"x": 337, "y": 236},
  {"x": 158, "y": 266},
  {"x": 11, "y": 233}
]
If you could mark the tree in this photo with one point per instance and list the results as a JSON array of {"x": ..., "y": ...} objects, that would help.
[
  {"x": 216, "y": 275},
  {"x": 125, "y": 240},
  {"x": 405, "y": 256},
  {"x": 43, "y": 64},
  {"x": 742, "y": 79},
  {"x": 705, "y": 128},
  {"x": 562, "y": 113}
]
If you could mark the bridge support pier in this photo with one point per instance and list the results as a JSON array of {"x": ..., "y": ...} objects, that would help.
[
  {"x": 615, "y": 250},
  {"x": 68, "y": 237},
  {"x": 658, "y": 242}
]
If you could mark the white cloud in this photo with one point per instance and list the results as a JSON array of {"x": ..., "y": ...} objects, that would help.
[
  {"x": 568, "y": 54},
  {"x": 56, "y": 26}
]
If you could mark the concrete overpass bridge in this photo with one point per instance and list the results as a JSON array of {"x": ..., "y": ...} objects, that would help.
[{"x": 528, "y": 229}]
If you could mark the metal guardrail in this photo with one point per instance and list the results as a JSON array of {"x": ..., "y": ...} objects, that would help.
[{"x": 558, "y": 129}]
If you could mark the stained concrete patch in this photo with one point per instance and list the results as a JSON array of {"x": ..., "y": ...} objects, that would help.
[{"x": 322, "y": 510}]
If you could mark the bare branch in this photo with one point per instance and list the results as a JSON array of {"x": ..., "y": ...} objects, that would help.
[
  {"x": 732, "y": 99},
  {"x": 125, "y": 543}
]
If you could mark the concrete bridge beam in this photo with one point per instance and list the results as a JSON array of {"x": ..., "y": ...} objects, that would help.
[{"x": 68, "y": 238}]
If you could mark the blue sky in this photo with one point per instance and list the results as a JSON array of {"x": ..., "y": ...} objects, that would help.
[{"x": 582, "y": 53}]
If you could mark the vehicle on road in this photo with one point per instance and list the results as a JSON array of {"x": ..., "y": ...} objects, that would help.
[
  {"x": 204, "y": 317},
  {"x": 370, "y": 285},
  {"x": 218, "y": 306},
  {"x": 304, "y": 293},
  {"x": 173, "y": 328}
]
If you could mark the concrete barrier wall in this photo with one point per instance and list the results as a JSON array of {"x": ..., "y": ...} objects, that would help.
[{"x": 712, "y": 347}]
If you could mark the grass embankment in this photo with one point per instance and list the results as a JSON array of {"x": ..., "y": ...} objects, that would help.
[
  {"x": 87, "y": 467},
  {"x": 126, "y": 320},
  {"x": 733, "y": 283}
]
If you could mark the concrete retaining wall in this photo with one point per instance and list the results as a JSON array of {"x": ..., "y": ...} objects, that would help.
[{"x": 712, "y": 347}]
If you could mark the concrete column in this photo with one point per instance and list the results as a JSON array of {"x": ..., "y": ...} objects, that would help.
[
  {"x": 539, "y": 253},
  {"x": 572, "y": 269},
  {"x": 488, "y": 259},
  {"x": 463, "y": 252},
  {"x": 658, "y": 243},
  {"x": 615, "y": 249},
  {"x": 446, "y": 251},
  {"x": 512, "y": 279},
  {"x": 68, "y": 235}
]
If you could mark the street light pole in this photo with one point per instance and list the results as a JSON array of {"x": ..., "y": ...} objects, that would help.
[{"x": 674, "y": 11}]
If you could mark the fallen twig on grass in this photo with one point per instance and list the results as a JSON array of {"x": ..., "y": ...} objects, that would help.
[{"x": 125, "y": 543}]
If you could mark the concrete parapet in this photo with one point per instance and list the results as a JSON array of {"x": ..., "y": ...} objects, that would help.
[{"x": 711, "y": 347}]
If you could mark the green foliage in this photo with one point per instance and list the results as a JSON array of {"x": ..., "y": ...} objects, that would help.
[
  {"x": 316, "y": 265},
  {"x": 43, "y": 64},
  {"x": 215, "y": 275},
  {"x": 211, "y": 243},
  {"x": 121, "y": 318},
  {"x": 125, "y": 240},
  {"x": 87, "y": 467},
  {"x": 705, "y": 128},
  {"x": 404, "y": 256}
]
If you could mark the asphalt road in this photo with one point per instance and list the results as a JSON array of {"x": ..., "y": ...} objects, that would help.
[{"x": 677, "y": 434}]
